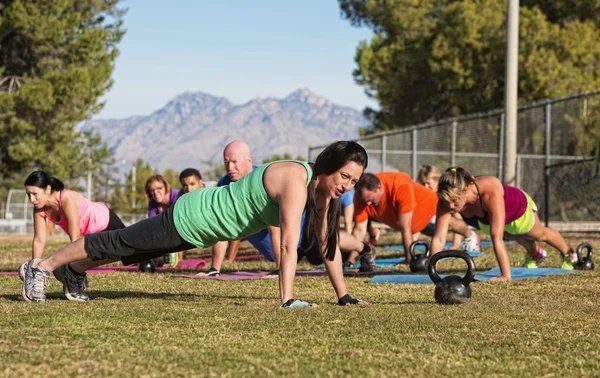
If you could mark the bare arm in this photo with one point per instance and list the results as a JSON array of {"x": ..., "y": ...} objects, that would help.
[
  {"x": 39, "y": 236},
  {"x": 442, "y": 223},
  {"x": 360, "y": 230},
  {"x": 71, "y": 212},
  {"x": 494, "y": 205},
  {"x": 348, "y": 215},
  {"x": 275, "y": 233},
  {"x": 232, "y": 249},
  {"x": 404, "y": 225}
]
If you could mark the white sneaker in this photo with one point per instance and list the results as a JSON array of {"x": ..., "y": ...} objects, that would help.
[{"x": 472, "y": 243}]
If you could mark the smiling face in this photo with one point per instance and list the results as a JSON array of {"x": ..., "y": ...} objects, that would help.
[
  {"x": 159, "y": 192},
  {"x": 432, "y": 184},
  {"x": 38, "y": 196},
  {"x": 341, "y": 181},
  {"x": 191, "y": 183}
]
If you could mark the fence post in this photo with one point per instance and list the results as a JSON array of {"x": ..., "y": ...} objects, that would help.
[
  {"x": 383, "y": 153},
  {"x": 518, "y": 173},
  {"x": 548, "y": 124},
  {"x": 501, "y": 148},
  {"x": 453, "y": 146},
  {"x": 414, "y": 154},
  {"x": 547, "y": 195}
]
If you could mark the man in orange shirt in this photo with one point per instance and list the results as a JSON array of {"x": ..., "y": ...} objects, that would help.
[{"x": 395, "y": 199}]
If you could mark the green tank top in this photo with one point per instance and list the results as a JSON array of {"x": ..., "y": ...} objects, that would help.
[{"x": 232, "y": 212}]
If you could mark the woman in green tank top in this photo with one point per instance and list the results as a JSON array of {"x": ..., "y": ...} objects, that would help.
[{"x": 276, "y": 194}]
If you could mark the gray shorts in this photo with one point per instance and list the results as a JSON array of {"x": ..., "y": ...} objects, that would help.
[{"x": 150, "y": 238}]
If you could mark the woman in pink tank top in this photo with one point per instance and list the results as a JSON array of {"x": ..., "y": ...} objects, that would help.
[
  {"x": 74, "y": 213},
  {"x": 503, "y": 212}
]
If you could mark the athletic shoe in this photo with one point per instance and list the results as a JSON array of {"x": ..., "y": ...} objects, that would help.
[
  {"x": 537, "y": 260},
  {"x": 569, "y": 260},
  {"x": 22, "y": 269},
  {"x": 35, "y": 283},
  {"x": 472, "y": 243},
  {"x": 373, "y": 239},
  {"x": 74, "y": 284},
  {"x": 367, "y": 260},
  {"x": 213, "y": 272},
  {"x": 296, "y": 303}
]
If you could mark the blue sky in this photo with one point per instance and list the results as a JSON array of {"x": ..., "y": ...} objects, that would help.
[{"x": 238, "y": 49}]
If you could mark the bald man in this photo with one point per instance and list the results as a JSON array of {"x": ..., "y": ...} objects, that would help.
[{"x": 238, "y": 163}]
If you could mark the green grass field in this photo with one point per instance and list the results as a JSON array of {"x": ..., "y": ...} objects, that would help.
[{"x": 158, "y": 325}]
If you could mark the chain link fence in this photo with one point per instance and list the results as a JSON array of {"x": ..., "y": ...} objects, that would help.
[{"x": 549, "y": 132}]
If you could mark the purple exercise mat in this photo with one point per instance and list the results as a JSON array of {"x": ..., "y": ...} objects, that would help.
[{"x": 182, "y": 265}]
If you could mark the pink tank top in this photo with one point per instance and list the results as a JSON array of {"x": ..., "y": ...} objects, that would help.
[{"x": 93, "y": 216}]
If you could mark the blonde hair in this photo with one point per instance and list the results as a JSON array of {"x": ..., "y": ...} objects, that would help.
[
  {"x": 428, "y": 172},
  {"x": 158, "y": 178},
  {"x": 453, "y": 183}
]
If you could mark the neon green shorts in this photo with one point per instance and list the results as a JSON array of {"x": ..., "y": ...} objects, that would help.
[{"x": 519, "y": 226}]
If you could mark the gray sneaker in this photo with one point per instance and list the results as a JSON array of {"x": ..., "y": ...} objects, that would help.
[
  {"x": 367, "y": 261},
  {"x": 22, "y": 269},
  {"x": 74, "y": 284},
  {"x": 35, "y": 283}
]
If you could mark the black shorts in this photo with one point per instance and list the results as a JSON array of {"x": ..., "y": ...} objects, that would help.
[
  {"x": 114, "y": 222},
  {"x": 150, "y": 238}
]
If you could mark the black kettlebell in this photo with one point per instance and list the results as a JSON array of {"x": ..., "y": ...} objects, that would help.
[
  {"x": 452, "y": 289},
  {"x": 148, "y": 266},
  {"x": 584, "y": 263},
  {"x": 418, "y": 262}
]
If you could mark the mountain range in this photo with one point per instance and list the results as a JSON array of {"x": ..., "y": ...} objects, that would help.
[{"x": 193, "y": 128}]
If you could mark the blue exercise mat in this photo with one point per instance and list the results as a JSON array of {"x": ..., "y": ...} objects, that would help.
[
  {"x": 399, "y": 247},
  {"x": 393, "y": 262},
  {"x": 517, "y": 274}
]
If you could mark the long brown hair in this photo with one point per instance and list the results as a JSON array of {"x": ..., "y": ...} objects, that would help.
[{"x": 333, "y": 157}]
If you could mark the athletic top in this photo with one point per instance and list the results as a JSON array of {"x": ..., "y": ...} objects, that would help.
[
  {"x": 232, "y": 212},
  {"x": 401, "y": 195},
  {"x": 515, "y": 204},
  {"x": 93, "y": 216},
  {"x": 155, "y": 209},
  {"x": 347, "y": 199}
]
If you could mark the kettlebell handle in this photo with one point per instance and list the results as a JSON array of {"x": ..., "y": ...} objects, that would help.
[
  {"x": 413, "y": 246},
  {"x": 582, "y": 247},
  {"x": 432, "y": 269}
]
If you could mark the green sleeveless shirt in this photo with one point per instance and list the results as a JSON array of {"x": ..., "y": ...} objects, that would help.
[{"x": 242, "y": 208}]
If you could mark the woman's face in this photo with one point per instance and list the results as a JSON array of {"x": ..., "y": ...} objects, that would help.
[
  {"x": 431, "y": 184},
  {"x": 38, "y": 196},
  {"x": 342, "y": 180},
  {"x": 159, "y": 192},
  {"x": 458, "y": 204}
]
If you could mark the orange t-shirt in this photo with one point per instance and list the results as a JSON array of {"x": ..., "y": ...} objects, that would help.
[{"x": 401, "y": 195}]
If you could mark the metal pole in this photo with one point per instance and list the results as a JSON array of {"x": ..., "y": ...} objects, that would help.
[
  {"x": 453, "y": 146},
  {"x": 547, "y": 195},
  {"x": 414, "y": 154},
  {"x": 384, "y": 153},
  {"x": 511, "y": 89},
  {"x": 548, "y": 124},
  {"x": 501, "y": 148},
  {"x": 133, "y": 169},
  {"x": 89, "y": 185}
]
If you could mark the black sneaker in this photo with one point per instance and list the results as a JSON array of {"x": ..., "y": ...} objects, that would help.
[
  {"x": 367, "y": 260},
  {"x": 74, "y": 284}
]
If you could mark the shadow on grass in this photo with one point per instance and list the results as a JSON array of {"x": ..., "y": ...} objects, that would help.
[{"x": 103, "y": 295}]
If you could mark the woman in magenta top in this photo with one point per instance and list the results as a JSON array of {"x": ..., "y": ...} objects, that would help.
[
  {"x": 503, "y": 212},
  {"x": 160, "y": 195},
  {"x": 74, "y": 213}
]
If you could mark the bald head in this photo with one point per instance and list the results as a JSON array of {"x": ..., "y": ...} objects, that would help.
[{"x": 237, "y": 159}]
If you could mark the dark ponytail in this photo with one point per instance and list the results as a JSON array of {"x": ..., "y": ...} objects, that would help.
[
  {"x": 333, "y": 157},
  {"x": 41, "y": 179}
]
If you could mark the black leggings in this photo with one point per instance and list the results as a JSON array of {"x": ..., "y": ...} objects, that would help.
[{"x": 150, "y": 238}]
